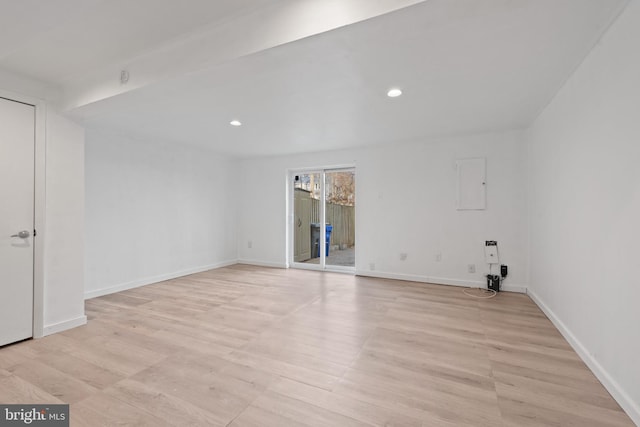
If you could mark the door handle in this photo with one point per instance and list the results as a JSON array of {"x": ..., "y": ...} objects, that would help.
[{"x": 24, "y": 234}]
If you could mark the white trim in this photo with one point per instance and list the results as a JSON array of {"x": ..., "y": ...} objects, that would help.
[
  {"x": 262, "y": 263},
  {"x": 612, "y": 386},
  {"x": 155, "y": 279},
  {"x": 439, "y": 280},
  {"x": 63, "y": 326},
  {"x": 519, "y": 289},
  {"x": 319, "y": 169},
  {"x": 288, "y": 218},
  {"x": 39, "y": 219}
]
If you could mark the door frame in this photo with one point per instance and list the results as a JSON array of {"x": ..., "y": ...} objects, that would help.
[
  {"x": 39, "y": 205},
  {"x": 290, "y": 203}
]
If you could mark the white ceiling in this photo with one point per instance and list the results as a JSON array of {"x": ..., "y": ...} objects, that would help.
[
  {"x": 464, "y": 65},
  {"x": 73, "y": 37}
]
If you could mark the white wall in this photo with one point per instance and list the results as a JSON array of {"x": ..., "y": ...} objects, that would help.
[
  {"x": 64, "y": 225},
  {"x": 405, "y": 203},
  {"x": 584, "y": 187},
  {"x": 155, "y": 211}
]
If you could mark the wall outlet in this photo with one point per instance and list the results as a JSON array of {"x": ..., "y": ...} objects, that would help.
[
  {"x": 471, "y": 268},
  {"x": 249, "y": 244},
  {"x": 439, "y": 257},
  {"x": 403, "y": 256},
  {"x": 372, "y": 266}
]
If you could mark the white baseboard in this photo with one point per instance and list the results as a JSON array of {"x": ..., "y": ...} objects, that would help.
[
  {"x": 439, "y": 280},
  {"x": 612, "y": 386},
  {"x": 63, "y": 326},
  {"x": 155, "y": 279},
  {"x": 262, "y": 263}
]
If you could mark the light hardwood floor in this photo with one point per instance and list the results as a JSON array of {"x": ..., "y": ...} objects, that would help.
[{"x": 251, "y": 346}]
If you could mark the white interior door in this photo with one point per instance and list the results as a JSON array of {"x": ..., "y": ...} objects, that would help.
[{"x": 17, "y": 144}]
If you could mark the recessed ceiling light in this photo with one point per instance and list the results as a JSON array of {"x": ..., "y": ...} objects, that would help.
[
  {"x": 394, "y": 93},
  {"x": 235, "y": 123}
]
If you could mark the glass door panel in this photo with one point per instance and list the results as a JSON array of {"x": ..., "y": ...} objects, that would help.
[
  {"x": 340, "y": 217},
  {"x": 306, "y": 217}
]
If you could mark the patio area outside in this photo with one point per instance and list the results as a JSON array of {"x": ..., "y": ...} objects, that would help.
[{"x": 345, "y": 257}]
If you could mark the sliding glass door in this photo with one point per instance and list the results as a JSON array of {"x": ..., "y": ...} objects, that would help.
[{"x": 322, "y": 229}]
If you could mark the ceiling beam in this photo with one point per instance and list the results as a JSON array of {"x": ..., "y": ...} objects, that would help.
[{"x": 257, "y": 30}]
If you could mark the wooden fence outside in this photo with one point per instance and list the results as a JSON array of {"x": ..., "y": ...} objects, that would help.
[{"x": 343, "y": 220}]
